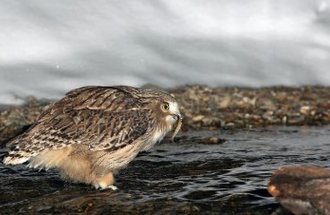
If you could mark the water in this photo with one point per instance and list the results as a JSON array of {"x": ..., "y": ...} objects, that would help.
[
  {"x": 183, "y": 177},
  {"x": 50, "y": 47}
]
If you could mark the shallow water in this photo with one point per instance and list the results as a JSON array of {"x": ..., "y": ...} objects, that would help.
[{"x": 183, "y": 177}]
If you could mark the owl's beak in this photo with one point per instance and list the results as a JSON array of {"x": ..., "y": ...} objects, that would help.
[{"x": 178, "y": 116}]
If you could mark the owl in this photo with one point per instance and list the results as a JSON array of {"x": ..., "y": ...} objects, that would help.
[{"x": 94, "y": 131}]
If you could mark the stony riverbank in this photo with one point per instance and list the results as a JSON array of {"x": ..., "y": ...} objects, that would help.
[
  {"x": 213, "y": 108},
  {"x": 253, "y": 107}
]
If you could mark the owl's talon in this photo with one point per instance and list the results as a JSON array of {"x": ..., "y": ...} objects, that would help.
[{"x": 112, "y": 187}]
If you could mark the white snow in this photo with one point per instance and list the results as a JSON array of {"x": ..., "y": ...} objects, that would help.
[{"x": 50, "y": 47}]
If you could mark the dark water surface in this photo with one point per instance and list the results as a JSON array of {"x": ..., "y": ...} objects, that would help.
[{"x": 185, "y": 177}]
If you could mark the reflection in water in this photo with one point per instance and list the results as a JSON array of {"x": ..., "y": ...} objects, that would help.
[{"x": 183, "y": 177}]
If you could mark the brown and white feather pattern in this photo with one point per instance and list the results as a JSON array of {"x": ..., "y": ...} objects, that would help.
[{"x": 107, "y": 126}]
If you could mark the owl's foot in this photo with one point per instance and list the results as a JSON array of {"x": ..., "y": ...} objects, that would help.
[
  {"x": 105, "y": 182},
  {"x": 112, "y": 187}
]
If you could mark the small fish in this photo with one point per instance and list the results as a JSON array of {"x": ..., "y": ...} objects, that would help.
[{"x": 177, "y": 129}]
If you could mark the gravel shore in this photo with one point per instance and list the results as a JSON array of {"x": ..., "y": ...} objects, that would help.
[{"x": 213, "y": 108}]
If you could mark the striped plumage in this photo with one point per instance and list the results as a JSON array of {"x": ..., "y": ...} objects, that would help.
[{"x": 94, "y": 131}]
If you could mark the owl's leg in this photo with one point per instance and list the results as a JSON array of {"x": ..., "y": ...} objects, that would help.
[{"x": 105, "y": 182}]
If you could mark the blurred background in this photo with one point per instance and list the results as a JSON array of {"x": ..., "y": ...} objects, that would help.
[{"x": 50, "y": 47}]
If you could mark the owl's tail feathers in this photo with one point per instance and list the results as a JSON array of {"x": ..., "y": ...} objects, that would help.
[
  {"x": 19, "y": 151},
  {"x": 16, "y": 157}
]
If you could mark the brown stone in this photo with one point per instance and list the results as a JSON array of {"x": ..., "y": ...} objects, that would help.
[{"x": 302, "y": 189}]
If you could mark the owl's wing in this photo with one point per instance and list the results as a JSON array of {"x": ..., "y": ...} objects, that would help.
[
  {"x": 108, "y": 99},
  {"x": 102, "y": 119},
  {"x": 98, "y": 129}
]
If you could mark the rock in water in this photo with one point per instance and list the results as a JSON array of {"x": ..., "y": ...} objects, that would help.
[{"x": 302, "y": 189}]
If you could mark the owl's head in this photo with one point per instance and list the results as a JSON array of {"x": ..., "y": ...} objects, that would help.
[
  {"x": 164, "y": 105},
  {"x": 170, "y": 111},
  {"x": 165, "y": 109},
  {"x": 168, "y": 114}
]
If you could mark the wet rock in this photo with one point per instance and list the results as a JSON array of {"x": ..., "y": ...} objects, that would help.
[
  {"x": 302, "y": 189},
  {"x": 199, "y": 140},
  {"x": 305, "y": 110},
  {"x": 198, "y": 118},
  {"x": 212, "y": 140},
  {"x": 224, "y": 103}
]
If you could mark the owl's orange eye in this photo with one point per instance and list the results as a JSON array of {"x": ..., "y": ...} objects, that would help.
[{"x": 165, "y": 106}]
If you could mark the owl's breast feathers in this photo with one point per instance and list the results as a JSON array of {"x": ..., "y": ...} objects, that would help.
[{"x": 101, "y": 118}]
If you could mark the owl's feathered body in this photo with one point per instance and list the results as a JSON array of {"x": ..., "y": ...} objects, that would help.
[{"x": 94, "y": 131}]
